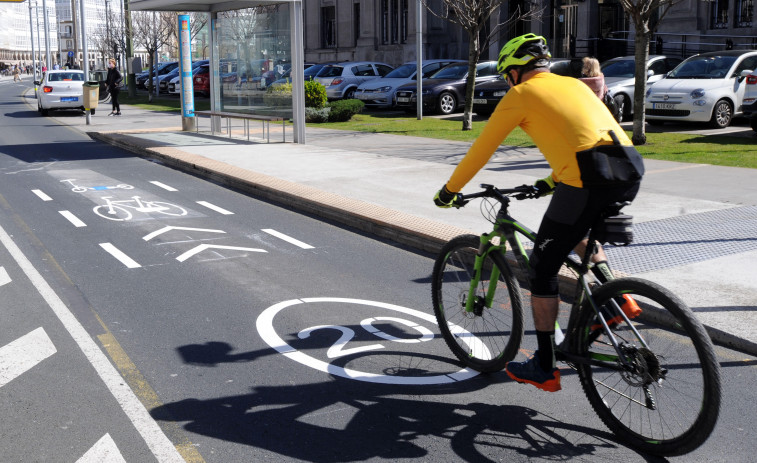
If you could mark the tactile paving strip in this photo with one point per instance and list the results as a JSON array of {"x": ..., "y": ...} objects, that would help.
[{"x": 687, "y": 239}]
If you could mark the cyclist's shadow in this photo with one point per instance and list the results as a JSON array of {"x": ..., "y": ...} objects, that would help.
[{"x": 343, "y": 420}]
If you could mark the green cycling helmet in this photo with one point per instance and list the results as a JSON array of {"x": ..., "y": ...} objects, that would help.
[{"x": 522, "y": 50}]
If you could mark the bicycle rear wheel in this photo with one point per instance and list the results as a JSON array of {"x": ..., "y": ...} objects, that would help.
[
  {"x": 488, "y": 338},
  {"x": 667, "y": 402}
]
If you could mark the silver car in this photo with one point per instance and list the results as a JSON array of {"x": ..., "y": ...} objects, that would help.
[
  {"x": 60, "y": 89},
  {"x": 620, "y": 78},
  {"x": 342, "y": 79},
  {"x": 380, "y": 93}
]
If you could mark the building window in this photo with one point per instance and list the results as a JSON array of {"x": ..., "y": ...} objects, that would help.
[
  {"x": 719, "y": 15},
  {"x": 403, "y": 23},
  {"x": 384, "y": 21},
  {"x": 744, "y": 13},
  {"x": 328, "y": 27},
  {"x": 356, "y": 21}
]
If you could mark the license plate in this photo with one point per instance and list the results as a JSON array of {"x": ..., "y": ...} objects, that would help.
[
  {"x": 403, "y": 100},
  {"x": 663, "y": 106},
  {"x": 479, "y": 101},
  {"x": 69, "y": 98}
]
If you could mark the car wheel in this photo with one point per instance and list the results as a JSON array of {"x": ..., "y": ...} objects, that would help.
[
  {"x": 447, "y": 103},
  {"x": 753, "y": 122},
  {"x": 349, "y": 94},
  {"x": 655, "y": 122},
  {"x": 722, "y": 114},
  {"x": 44, "y": 112},
  {"x": 623, "y": 111}
]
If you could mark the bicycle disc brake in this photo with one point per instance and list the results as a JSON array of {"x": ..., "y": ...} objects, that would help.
[{"x": 644, "y": 370}]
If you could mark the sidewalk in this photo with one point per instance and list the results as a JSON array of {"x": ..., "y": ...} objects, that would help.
[{"x": 695, "y": 224}]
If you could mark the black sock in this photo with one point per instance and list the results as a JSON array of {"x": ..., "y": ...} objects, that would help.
[
  {"x": 602, "y": 271},
  {"x": 546, "y": 342}
]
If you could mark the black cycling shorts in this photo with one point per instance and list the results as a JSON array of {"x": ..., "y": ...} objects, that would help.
[{"x": 570, "y": 215}]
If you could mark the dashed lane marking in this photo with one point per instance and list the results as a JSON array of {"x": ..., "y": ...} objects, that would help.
[
  {"x": 72, "y": 218},
  {"x": 41, "y": 194},
  {"x": 218, "y": 209},
  {"x": 163, "y": 185},
  {"x": 118, "y": 254},
  {"x": 287, "y": 238},
  {"x": 23, "y": 354}
]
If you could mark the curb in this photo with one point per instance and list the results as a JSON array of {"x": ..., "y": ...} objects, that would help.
[{"x": 412, "y": 231}]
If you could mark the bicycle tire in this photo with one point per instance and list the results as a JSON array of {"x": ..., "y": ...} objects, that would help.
[
  {"x": 171, "y": 209},
  {"x": 679, "y": 369},
  {"x": 121, "y": 214},
  {"x": 484, "y": 342}
]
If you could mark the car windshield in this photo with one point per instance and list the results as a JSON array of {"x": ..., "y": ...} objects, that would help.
[
  {"x": 619, "y": 68},
  {"x": 703, "y": 67},
  {"x": 451, "y": 72},
  {"x": 313, "y": 70},
  {"x": 402, "y": 72},
  {"x": 330, "y": 71},
  {"x": 64, "y": 76}
]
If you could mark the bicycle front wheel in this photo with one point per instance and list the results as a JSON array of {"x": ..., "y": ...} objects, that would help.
[
  {"x": 488, "y": 337},
  {"x": 666, "y": 399}
]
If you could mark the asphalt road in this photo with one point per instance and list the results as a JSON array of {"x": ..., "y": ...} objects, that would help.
[{"x": 221, "y": 328}]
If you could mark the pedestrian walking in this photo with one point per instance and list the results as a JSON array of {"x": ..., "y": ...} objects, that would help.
[
  {"x": 113, "y": 83},
  {"x": 16, "y": 73}
]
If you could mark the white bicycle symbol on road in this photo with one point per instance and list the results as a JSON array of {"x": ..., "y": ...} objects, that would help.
[{"x": 119, "y": 210}]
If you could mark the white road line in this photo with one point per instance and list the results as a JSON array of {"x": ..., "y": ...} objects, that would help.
[
  {"x": 163, "y": 185},
  {"x": 118, "y": 254},
  {"x": 104, "y": 451},
  {"x": 4, "y": 277},
  {"x": 198, "y": 249},
  {"x": 72, "y": 218},
  {"x": 157, "y": 442},
  {"x": 42, "y": 195},
  {"x": 288, "y": 239},
  {"x": 214, "y": 207},
  {"x": 21, "y": 355}
]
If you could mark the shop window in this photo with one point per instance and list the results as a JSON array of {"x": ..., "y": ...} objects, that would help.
[{"x": 394, "y": 21}]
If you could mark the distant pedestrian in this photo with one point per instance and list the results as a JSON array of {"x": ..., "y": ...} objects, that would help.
[
  {"x": 592, "y": 76},
  {"x": 113, "y": 84},
  {"x": 16, "y": 73}
]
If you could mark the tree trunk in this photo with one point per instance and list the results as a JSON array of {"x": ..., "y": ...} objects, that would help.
[
  {"x": 471, "y": 81},
  {"x": 150, "y": 75},
  {"x": 641, "y": 55}
]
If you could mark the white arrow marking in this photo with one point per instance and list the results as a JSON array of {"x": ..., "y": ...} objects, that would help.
[
  {"x": 4, "y": 277},
  {"x": 287, "y": 238},
  {"x": 169, "y": 228},
  {"x": 41, "y": 194},
  {"x": 163, "y": 185},
  {"x": 24, "y": 353},
  {"x": 104, "y": 451},
  {"x": 73, "y": 219},
  {"x": 120, "y": 255},
  {"x": 202, "y": 247},
  {"x": 215, "y": 208}
]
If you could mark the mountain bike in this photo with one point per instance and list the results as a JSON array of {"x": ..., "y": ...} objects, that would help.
[{"x": 653, "y": 380}]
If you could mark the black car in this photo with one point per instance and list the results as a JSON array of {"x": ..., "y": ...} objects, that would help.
[
  {"x": 444, "y": 92},
  {"x": 487, "y": 95}
]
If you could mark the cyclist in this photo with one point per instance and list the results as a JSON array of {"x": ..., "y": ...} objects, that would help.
[{"x": 577, "y": 135}]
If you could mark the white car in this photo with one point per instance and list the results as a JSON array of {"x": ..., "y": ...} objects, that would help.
[
  {"x": 379, "y": 93},
  {"x": 704, "y": 88},
  {"x": 620, "y": 78},
  {"x": 60, "y": 89}
]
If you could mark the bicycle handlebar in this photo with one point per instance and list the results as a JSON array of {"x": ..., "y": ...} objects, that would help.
[{"x": 500, "y": 194}]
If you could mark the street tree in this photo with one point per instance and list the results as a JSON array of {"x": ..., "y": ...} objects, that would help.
[
  {"x": 151, "y": 31},
  {"x": 474, "y": 17},
  {"x": 646, "y": 16}
]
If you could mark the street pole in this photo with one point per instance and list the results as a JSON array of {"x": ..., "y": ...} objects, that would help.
[
  {"x": 419, "y": 53},
  {"x": 31, "y": 28},
  {"x": 84, "y": 50},
  {"x": 47, "y": 34},
  {"x": 131, "y": 80}
]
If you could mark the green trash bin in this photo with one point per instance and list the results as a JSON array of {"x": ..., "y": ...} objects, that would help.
[{"x": 91, "y": 95}]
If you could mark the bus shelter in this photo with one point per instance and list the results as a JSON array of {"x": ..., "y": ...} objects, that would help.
[{"x": 255, "y": 51}]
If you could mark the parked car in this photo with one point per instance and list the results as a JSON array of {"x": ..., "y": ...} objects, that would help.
[
  {"x": 201, "y": 80},
  {"x": 174, "y": 86},
  {"x": 487, "y": 95},
  {"x": 161, "y": 81},
  {"x": 60, "y": 89},
  {"x": 620, "y": 78},
  {"x": 704, "y": 88},
  {"x": 311, "y": 70},
  {"x": 379, "y": 93},
  {"x": 160, "y": 69},
  {"x": 444, "y": 91},
  {"x": 750, "y": 100},
  {"x": 341, "y": 80}
]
